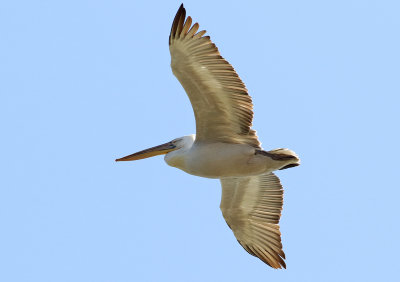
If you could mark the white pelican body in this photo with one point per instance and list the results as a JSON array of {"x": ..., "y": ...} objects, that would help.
[
  {"x": 225, "y": 146},
  {"x": 221, "y": 160}
]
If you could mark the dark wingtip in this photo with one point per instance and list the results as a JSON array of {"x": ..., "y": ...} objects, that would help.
[{"x": 174, "y": 26}]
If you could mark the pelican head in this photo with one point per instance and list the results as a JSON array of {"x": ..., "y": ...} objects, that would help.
[{"x": 168, "y": 149}]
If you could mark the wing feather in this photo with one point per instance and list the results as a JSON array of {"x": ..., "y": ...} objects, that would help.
[
  {"x": 221, "y": 104},
  {"x": 252, "y": 208}
]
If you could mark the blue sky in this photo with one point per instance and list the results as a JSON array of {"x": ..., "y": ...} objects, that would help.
[{"x": 85, "y": 82}]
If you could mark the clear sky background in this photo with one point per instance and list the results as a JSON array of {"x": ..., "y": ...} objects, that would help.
[{"x": 85, "y": 82}]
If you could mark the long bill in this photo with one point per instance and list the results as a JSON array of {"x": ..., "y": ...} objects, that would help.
[{"x": 151, "y": 152}]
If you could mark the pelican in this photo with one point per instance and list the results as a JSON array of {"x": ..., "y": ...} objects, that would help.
[{"x": 224, "y": 146}]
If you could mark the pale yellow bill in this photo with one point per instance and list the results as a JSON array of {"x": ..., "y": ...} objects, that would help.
[{"x": 153, "y": 151}]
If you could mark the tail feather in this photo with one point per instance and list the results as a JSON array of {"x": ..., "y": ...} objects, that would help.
[
  {"x": 287, "y": 156},
  {"x": 284, "y": 153},
  {"x": 289, "y": 166}
]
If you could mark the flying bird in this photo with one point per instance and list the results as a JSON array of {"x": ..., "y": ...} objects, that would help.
[{"x": 225, "y": 146}]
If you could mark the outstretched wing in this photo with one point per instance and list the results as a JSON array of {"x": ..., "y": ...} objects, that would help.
[
  {"x": 221, "y": 105},
  {"x": 252, "y": 207}
]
